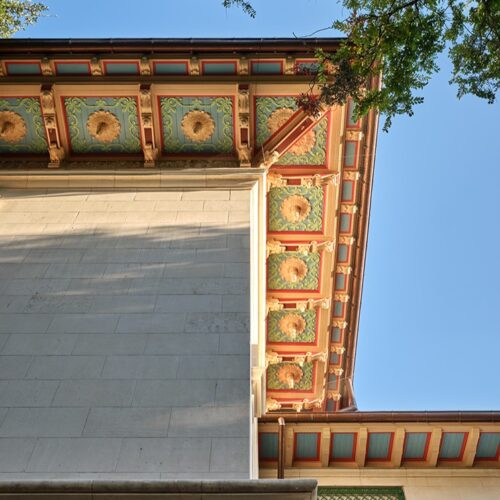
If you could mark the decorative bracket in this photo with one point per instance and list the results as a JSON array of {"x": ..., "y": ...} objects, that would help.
[
  {"x": 244, "y": 146},
  {"x": 56, "y": 151},
  {"x": 148, "y": 140}
]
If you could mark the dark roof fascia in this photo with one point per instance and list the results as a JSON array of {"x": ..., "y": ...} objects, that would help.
[
  {"x": 386, "y": 417},
  {"x": 158, "y": 45}
]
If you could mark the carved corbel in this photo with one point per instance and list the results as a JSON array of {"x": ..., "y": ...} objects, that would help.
[
  {"x": 347, "y": 240},
  {"x": 333, "y": 395},
  {"x": 274, "y": 246},
  {"x": 149, "y": 148},
  {"x": 353, "y": 135},
  {"x": 243, "y": 66},
  {"x": 244, "y": 147},
  {"x": 339, "y": 324},
  {"x": 95, "y": 67},
  {"x": 318, "y": 356},
  {"x": 351, "y": 176},
  {"x": 46, "y": 67},
  {"x": 300, "y": 360},
  {"x": 290, "y": 65},
  {"x": 272, "y": 405},
  {"x": 323, "y": 303},
  {"x": 315, "y": 247},
  {"x": 145, "y": 66},
  {"x": 269, "y": 159},
  {"x": 349, "y": 209},
  {"x": 273, "y": 305},
  {"x": 337, "y": 350},
  {"x": 273, "y": 358},
  {"x": 56, "y": 151},
  {"x": 275, "y": 180},
  {"x": 298, "y": 407},
  {"x": 194, "y": 66},
  {"x": 341, "y": 297},
  {"x": 343, "y": 269}
]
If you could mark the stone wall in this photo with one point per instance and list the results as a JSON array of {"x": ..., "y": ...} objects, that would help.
[{"x": 124, "y": 334}]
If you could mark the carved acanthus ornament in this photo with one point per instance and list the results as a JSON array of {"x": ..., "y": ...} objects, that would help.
[
  {"x": 56, "y": 151},
  {"x": 194, "y": 66},
  {"x": 320, "y": 180},
  {"x": 315, "y": 247},
  {"x": 335, "y": 395},
  {"x": 353, "y": 135},
  {"x": 12, "y": 127},
  {"x": 46, "y": 67},
  {"x": 337, "y": 350},
  {"x": 293, "y": 270},
  {"x": 269, "y": 159},
  {"x": 309, "y": 358},
  {"x": 273, "y": 358},
  {"x": 290, "y": 65},
  {"x": 347, "y": 240},
  {"x": 290, "y": 374},
  {"x": 341, "y": 297},
  {"x": 274, "y": 246},
  {"x": 145, "y": 67},
  {"x": 349, "y": 209},
  {"x": 149, "y": 148},
  {"x": 351, "y": 176},
  {"x": 243, "y": 66},
  {"x": 244, "y": 148},
  {"x": 272, "y": 404},
  {"x": 343, "y": 269},
  {"x": 275, "y": 180},
  {"x": 336, "y": 323},
  {"x": 198, "y": 126},
  {"x": 273, "y": 305},
  {"x": 103, "y": 126},
  {"x": 313, "y": 304},
  {"x": 95, "y": 67}
]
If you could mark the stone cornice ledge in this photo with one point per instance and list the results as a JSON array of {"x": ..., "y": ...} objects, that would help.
[
  {"x": 301, "y": 488},
  {"x": 131, "y": 178}
]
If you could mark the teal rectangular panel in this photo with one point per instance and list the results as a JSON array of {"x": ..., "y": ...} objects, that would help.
[
  {"x": 415, "y": 443},
  {"x": 345, "y": 223},
  {"x": 306, "y": 446},
  {"x": 330, "y": 405},
  {"x": 488, "y": 446},
  {"x": 343, "y": 446},
  {"x": 350, "y": 154},
  {"x": 351, "y": 122},
  {"x": 71, "y": 68},
  {"x": 347, "y": 190},
  {"x": 339, "y": 281},
  {"x": 334, "y": 358},
  {"x": 379, "y": 445},
  {"x": 335, "y": 336},
  {"x": 23, "y": 69},
  {"x": 338, "y": 309},
  {"x": 219, "y": 68},
  {"x": 451, "y": 445},
  {"x": 114, "y": 68},
  {"x": 332, "y": 379},
  {"x": 343, "y": 253},
  {"x": 267, "y": 68},
  {"x": 268, "y": 445},
  {"x": 171, "y": 68}
]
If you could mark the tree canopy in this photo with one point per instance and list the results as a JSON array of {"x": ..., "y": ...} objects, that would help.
[
  {"x": 16, "y": 15},
  {"x": 402, "y": 39}
]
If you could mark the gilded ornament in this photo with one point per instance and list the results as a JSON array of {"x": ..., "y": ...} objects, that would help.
[
  {"x": 103, "y": 126},
  {"x": 278, "y": 118},
  {"x": 293, "y": 270},
  {"x": 292, "y": 325},
  {"x": 290, "y": 375},
  {"x": 12, "y": 127},
  {"x": 198, "y": 126},
  {"x": 295, "y": 208}
]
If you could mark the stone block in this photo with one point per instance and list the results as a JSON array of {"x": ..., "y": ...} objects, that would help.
[
  {"x": 65, "y": 367},
  {"x": 165, "y": 455},
  {"x": 75, "y": 455},
  {"x": 44, "y": 422},
  {"x": 27, "y": 392},
  {"x": 25, "y": 323},
  {"x": 15, "y": 453},
  {"x": 230, "y": 454},
  {"x": 104, "y": 344},
  {"x": 234, "y": 344},
  {"x": 94, "y": 393},
  {"x": 214, "y": 367},
  {"x": 127, "y": 422},
  {"x": 26, "y": 343},
  {"x": 212, "y": 194},
  {"x": 194, "y": 270},
  {"x": 236, "y": 303},
  {"x": 141, "y": 367},
  {"x": 14, "y": 367},
  {"x": 240, "y": 270},
  {"x": 217, "y": 323},
  {"x": 232, "y": 392},
  {"x": 84, "y": 323},
  {"x": 178, "y": 344},
  {"x": 151, "y": 323},
  {"x": 188, "y": 303},
  {"x": 210, "y": 422},
  {"x": 123, "y": 304},
  {"x": 153, "y": 393}
]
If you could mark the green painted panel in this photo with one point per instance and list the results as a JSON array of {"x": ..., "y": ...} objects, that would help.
[
  {"x": 171, "y": 68},
  {"x": 378, "y": 445},
  {"x": 78, "y": 110},
  {"x": 268, "y": 445},
  {"x": 343, "y": 445},
  {"x": 306, "y": 445},
  {"x": 276, "y": 263},
  {"x": 304, "y": 384},
  {"x": 489, "y": 444},
  {"x": 266, "y": 68},
  {"x": 281, "y": 197},
  {"x": 360, "y": 493},
  {"x": 115, "y": 68},
  {"x": 451, "y": 445},
  {"x": 415, "y": 445},
  {"x": 265, "y": 107},
  {"x": 23, "y": 69},
  {"x": 30, "y": 113},
  {"x": 277, "y": 326},
  {"x": 219, "y": 68},
  {"x": 71, "y": 68},
  {"x": 220, "y": 109}
]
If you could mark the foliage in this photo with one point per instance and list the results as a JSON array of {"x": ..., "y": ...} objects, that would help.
[
  {"x": 16, "y": 15},
  {"x": 401, "y": 40}
]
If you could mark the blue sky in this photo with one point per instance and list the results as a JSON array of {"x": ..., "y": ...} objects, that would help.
[{"x": 430, "y": 323}]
